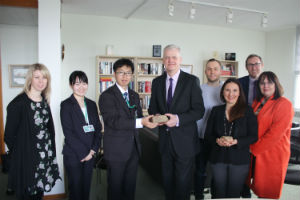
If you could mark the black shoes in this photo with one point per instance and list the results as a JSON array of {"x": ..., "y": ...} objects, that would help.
[{"x": 10, "y": 192}]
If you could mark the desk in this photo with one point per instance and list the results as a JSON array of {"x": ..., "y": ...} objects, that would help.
[{"x": 150, "y": 158}]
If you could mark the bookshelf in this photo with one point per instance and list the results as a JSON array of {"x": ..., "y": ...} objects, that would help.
[
  {"x": 146, "y": 69},
  {"x": 229, "y": 69}
]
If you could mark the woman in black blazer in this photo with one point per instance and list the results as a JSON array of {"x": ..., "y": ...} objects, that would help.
[
  {"x": 231, "y": 128},
  {"x": 82, "y": 130}
]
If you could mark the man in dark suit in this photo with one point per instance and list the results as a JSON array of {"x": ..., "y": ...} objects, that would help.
[
  {"x": 254, "y": 66},
  {"x": 122, "y": 116},
  {"x": 177, "y": 95}
]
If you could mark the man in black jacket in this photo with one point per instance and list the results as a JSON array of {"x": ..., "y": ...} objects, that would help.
[
  {"x": 254, "y": 66},
  {"x": 122, "y": 116},
  {"x": 177, "y": 95}
]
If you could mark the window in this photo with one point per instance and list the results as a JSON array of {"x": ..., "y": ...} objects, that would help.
[{"x": 297, "y": 73}]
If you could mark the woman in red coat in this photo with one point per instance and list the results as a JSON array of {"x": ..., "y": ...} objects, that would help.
[{"x": 271, "y": 152}]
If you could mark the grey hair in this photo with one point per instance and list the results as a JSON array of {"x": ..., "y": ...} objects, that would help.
[{"x": 172, "y": 46}]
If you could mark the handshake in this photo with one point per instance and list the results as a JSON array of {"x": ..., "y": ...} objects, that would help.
[{"x": 153, "y": 121}]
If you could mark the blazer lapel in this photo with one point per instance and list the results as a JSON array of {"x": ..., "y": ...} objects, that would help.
[
  {"x": 163, "y": 91},
  {"x": 178, "y": 89},
  {"x": 132, "y": 102},
  {"x": 77, "y": 109},
  {"x": 120, "y": 98}
]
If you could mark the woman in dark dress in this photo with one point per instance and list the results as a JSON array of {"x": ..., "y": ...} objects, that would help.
[
  {"x": 230, "y": 130},
  {"x": 30, "y": 137}
]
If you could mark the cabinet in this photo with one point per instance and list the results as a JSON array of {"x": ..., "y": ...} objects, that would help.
[
  {"x": 146, "y": 69},
  {"x": 229, "y": 69}
]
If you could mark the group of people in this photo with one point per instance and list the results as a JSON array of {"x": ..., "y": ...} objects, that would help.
[{"x": 246, "y": 144}]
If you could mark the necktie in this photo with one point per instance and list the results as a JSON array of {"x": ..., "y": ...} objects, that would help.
[
  {"x": 125, "y": 96},
  {"x": 170, "y": 96}
]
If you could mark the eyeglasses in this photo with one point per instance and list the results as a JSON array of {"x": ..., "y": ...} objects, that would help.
[
  {"x": 266, "y": 83},
  {"x": 254, "y": 64},
  {"x": 124, "y": 73}
]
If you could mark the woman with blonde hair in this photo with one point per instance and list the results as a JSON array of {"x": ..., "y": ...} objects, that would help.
[{"x": 29, "y": 136}]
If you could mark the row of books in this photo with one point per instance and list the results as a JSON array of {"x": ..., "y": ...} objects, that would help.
[
  {"x": 106, "y": 67},
  {"x": 150, "y": 68},
  {"x": 144, "y": 86},
  {"x": 228, "y": 70},
  {"x": 106, "y": 82},
  {"x": 145, "y": 101}
]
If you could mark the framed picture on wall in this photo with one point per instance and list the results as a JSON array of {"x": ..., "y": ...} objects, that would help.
[
  {"x": 17, "y": 75},
  {"x": 187, "y": 68},
  {"x": 156, "y": 50}
]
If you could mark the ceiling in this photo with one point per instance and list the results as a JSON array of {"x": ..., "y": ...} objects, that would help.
[{"x": 281, "y": 13}]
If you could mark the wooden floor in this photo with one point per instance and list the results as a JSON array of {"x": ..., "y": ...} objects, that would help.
[{"x": 146, "y": 189}]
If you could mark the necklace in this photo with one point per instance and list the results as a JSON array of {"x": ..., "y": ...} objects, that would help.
[{"x": 225, "y": 127}]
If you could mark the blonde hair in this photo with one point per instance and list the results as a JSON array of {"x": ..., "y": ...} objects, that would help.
[{"x": 45, "y": 72}]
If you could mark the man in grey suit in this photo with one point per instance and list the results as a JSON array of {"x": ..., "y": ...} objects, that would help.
[{"x": 177, "y": 95}]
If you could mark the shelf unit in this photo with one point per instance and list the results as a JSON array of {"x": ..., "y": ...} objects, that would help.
[
  {"x": 146, "y": 69},
  {"x": 229, "y": 69}
]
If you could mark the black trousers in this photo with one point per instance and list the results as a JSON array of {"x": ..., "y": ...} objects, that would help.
[
  {"x": 121, "y": 177},
  {"x": 228, "y": 179},
  {"x": 176, "y": 174},
  {"x": 200, "y": 169},
  {"x": 79, "y": 177}
]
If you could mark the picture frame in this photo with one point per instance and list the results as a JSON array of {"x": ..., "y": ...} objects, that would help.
[
  {"x": 156, "y": 50},
  {"x": 17, "y": 75},
  {"x": 230, "y": 56},
  {"x": 187, "y": 68}
]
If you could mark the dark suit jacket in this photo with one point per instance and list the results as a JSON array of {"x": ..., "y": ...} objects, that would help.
[
  {"x": 244, "y": 81},
  {"x": 187, "y": 103},
  {"x": 244, "y": 130},
  {"x": 77, "y": 142},
  {"x": 120, "y": 134}
]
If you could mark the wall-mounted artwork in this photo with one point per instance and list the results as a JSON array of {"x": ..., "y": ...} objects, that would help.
[{"x": 17, "y": 75}]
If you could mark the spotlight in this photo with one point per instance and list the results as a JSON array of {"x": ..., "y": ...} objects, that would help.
[
  {"x": 264, "y": 21},
  {"x": 192, "y": 12},
  {"x": 229, "y": 16},
  {"x": 171, "y": 9}
]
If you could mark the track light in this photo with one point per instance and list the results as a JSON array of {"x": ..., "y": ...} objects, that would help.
[
  {"x": 264, "y": 21},
  {"x": 229, "y": 16},
  {"x": 171, "y": 8},
  {"x": 192, "y": 12}
]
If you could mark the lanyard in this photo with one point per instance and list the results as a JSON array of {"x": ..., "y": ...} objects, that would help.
[
  {"x": 86, "y": 117},
  {"x": 126, "y": 97}
]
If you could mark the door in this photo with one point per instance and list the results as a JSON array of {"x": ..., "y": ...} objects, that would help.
[{"x": 2, "y": 146}]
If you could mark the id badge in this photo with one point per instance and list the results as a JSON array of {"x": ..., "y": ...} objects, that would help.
[{"x": 88, "y": 128}]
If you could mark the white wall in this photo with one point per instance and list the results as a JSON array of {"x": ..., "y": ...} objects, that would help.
[
  {"x": 18, "y": 46},
  {"x": 49, "y": 51},
  {"x": 280, "y": 58},
  {"x": 86, "y": 36}
]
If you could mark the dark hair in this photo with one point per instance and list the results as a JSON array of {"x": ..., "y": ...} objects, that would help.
[
  {"x": 213, "y": 60},
  {"x": 123, "y": 62},
  {"x": 239, "y": 108},
  {"x": 78, "y": 74},
  {"x": 252, "y": 56},
  {"x": 271, "y": 78}
]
